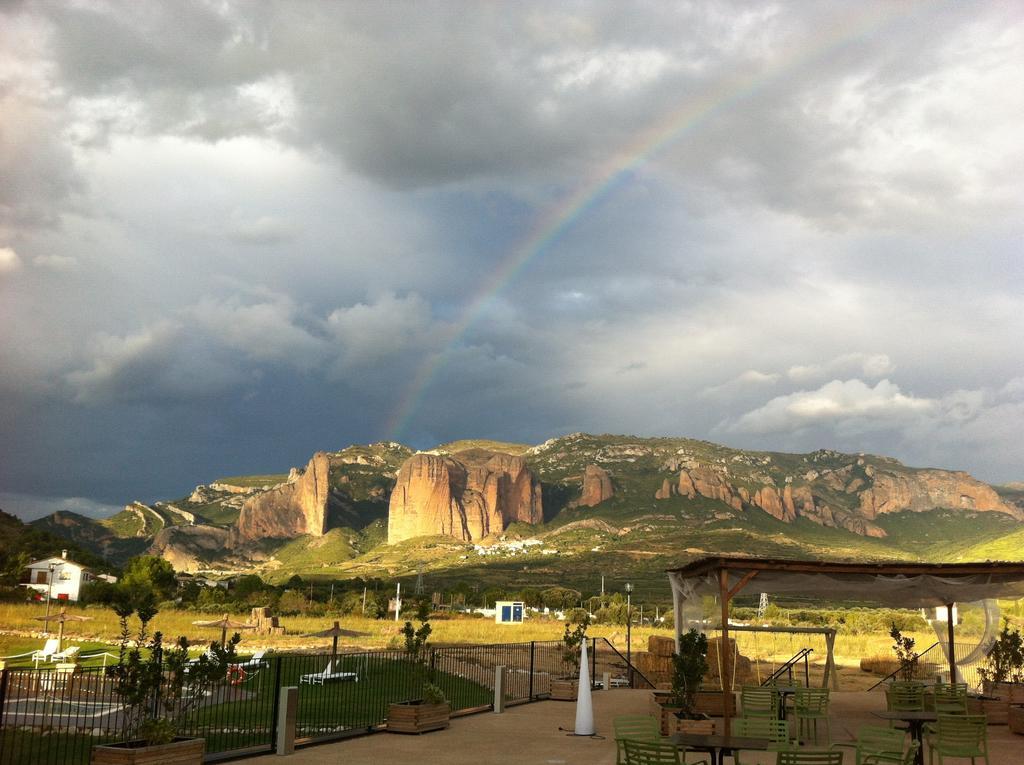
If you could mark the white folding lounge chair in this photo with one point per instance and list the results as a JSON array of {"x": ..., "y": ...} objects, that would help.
[
  {"x": 68, "y": 654},
  {"x": 46, "y": 652},
  {"x": 253, "y": 662},
  {"x": 319, "y": 678}
]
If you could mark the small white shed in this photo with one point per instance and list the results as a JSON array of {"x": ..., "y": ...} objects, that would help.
[{"x": 508, "y": 612}]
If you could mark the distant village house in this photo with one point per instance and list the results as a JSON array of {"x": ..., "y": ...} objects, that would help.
[{"x": 60, "y": 578}]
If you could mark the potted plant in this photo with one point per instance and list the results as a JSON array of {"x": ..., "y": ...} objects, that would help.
[
  {"x": 567, "y": 687},
  {"x": 159, "y": 689},
  {"x": 431, "y": 711},
  {"x": 903, "y": 647},
  {"x": 678, "y": 708},
  {"x": 1003, "y": 676}
]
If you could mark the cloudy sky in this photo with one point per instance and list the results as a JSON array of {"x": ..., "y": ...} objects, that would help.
[{"x": 235, "y": 233}]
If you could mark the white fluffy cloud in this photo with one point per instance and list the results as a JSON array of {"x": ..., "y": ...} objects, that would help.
[
  {"x": 9, "y": 260},
  {"x": 869, "y": 365},
  {"x": 841, "y": 403}
]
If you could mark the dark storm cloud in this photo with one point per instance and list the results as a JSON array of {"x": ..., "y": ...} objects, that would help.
[{"x": 233, "y": 233}]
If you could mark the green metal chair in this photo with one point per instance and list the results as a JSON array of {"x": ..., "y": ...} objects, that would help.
[
  {"x": 904, "y": 696},
  {"x": 762, "y": 727},
  {"x": 958, "y": 735},
  {"x": 908, "y": 757},
  {"x": 809, "y": 706},
  {"x": 636, "y": 728},
  {"x": 809, "y": 757},
  {"x": 950, "y": 698},
  {"x": 877, "y": 741},
  {"x": 656, "y": 753},
  {"x": 759, "y": 701}
]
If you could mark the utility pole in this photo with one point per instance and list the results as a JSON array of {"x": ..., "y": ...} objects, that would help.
[
  {"x": 49, "y": 593},
  {"x": 629, "y": 632}
]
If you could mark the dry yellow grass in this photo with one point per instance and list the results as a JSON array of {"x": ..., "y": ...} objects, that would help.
[{"x": 766, "y": 649}]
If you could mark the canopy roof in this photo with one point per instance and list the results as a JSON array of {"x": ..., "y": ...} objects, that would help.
[{"x": 895, "y": 583}]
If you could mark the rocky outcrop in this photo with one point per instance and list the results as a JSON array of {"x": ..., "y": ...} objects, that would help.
[
  {"x": 926, "y": 489},
  {"x": 767, "y": 498},
  {"x": 291, "y": 509},
  {"x": 190, "y": 548},
  {"x": 597, "y": 487},
  {"x": 467, "y": 496},
  {"x": 872, "y": 491}
]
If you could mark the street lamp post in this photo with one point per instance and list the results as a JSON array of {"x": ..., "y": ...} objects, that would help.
[
  {"x": 629, "y": 633},
  {"x": 49, "y": 593}
]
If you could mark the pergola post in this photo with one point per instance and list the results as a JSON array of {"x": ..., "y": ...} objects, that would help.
[
  {"x": 723, "y": 588},
  {"x": 952, "y": 644},
  {"x": 830, "y": 662}
]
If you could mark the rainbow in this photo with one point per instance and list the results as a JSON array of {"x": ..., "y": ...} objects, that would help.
[{"x": 561, "y": 217}]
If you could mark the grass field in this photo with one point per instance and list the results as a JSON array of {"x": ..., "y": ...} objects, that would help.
[{"x": 102, "y": 629}]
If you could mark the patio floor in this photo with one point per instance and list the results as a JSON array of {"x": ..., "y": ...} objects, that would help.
[{"x": 535, "y": 734}]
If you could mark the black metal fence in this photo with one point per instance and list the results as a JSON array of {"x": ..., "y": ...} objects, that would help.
[{"x": 55, "y": 717}]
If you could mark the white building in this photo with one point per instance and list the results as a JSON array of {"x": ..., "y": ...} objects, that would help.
[
  {"x": 508, "y": 612},
  {"x": 58, "y": 578}
]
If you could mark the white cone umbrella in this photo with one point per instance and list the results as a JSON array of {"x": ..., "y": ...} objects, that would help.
[{"x": 584, "y": 703}]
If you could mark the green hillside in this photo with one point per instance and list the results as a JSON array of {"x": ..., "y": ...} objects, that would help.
[{"x": 631, "y": 535}]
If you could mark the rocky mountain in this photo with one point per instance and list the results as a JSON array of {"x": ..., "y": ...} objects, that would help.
[
  {"x": 597, "y": 487},
  {"x": 472, "y": 495},
  {"x": 378, "y": 508},
  {"x": 299, "y": 506}
]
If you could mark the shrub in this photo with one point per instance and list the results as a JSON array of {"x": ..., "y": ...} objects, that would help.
[
  {"x": 689, "y": 666},
  {"x": 905, "y": 653},
  {"x": 1005, "y": 659}
]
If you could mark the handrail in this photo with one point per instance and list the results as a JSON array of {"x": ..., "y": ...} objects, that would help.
[
  {"x": 787, "y": 666},
  {"x": 901, "y": 666},
  {"x": 629, "y": 664}
]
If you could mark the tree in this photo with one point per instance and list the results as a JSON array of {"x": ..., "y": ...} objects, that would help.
[
  {"x": 152, "y": 574},
  {"x": 248, "y": 585}
]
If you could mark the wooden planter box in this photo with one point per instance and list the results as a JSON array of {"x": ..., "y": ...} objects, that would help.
[
  {"x": 418, "y": 717},
  {"x": 1015, "y": 719},
  {"x": 665, "y": 713},
  {"x": 565, "y": 690},
  {"x": 697, "y": 727},
  {"x": 1012, "y": 692},
  {"x": 996, "y": 711},
  {"x": 187, "y": 751},
  {"x": 671, "y": 724}
]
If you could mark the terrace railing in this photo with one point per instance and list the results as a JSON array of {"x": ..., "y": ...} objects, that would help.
[{"x": 52, "y": 717}]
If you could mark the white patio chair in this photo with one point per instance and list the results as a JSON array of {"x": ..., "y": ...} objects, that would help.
[
  {"x": 319, "y": 678},
  {"x": 50, "y": 647}
]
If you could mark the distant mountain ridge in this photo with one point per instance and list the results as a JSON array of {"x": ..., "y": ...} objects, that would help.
[{"x": 624, "y": 484}]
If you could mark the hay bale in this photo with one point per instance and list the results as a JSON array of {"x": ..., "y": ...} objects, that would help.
[{"x": 661, "y": 646}]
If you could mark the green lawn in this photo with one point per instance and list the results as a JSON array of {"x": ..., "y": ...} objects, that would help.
[
  {"x": 11, "y": 645},
  {"x": 333, "y": 707},
  {"x": 244, "y": 718}
]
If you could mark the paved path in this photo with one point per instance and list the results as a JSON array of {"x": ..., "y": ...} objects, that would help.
[{"x": 530, "y": 734}]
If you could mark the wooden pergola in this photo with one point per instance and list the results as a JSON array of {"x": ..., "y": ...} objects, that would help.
[{"x": 902, "y": 584}]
